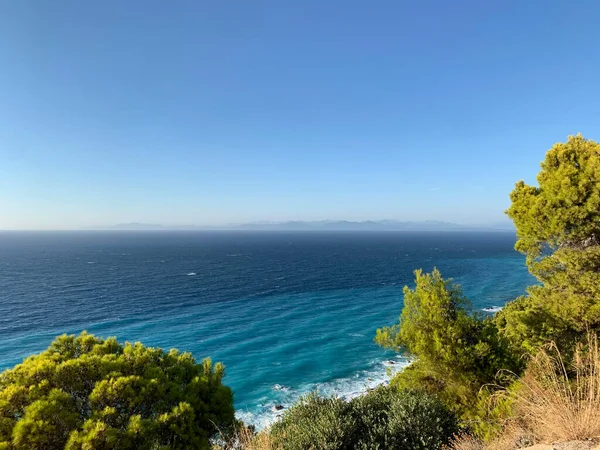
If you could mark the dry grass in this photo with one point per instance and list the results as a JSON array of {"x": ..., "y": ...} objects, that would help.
[
  {"x": 558, "y": 403},
  {"x": 467, "y": 442},
  {"x": 554, "y": 402},
  {"x": 511, "y": 439},
  {"x": 246, "y": 439},
  {"x": 262, "y": 441}
]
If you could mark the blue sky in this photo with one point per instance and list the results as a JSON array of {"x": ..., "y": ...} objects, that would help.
[{"x": 196, "y": 112}]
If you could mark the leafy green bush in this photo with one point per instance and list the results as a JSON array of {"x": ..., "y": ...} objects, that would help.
[
  {"x": 382, "y": 419},
  {"x": 410, "y": 419},
  {"x": 315, "y": 423},
  {"x": 86, "y": 392},
  {"x": 456, "y": 351}
]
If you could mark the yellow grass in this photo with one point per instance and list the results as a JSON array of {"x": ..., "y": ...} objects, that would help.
[
  {"x": 467, "y": 442},
  {"x": 554, "y": 402},
  {"x": 560, "y": 403},
  {"x": 512, "y": 438},
  {"x": 246, "y": 439}
]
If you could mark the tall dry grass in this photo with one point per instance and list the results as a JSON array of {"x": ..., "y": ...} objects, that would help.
[
  {"x": 559, "y": 402},
  {"x": 467, "y": 442},
  {"x": 245, "y": 439},
  {"x": 554, "y": 401},
  {"x": 513, "y": 438}
]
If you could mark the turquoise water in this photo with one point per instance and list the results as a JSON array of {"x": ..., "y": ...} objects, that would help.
[{"x": 286, "y": 312}]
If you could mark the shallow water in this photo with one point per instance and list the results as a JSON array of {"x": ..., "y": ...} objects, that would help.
[{"x": 286, "y": 312}]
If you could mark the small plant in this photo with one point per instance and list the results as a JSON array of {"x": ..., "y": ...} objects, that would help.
[
  {"x": 466, "y": 442},
  {"x": 557, "y": 401},
  {"x": 244, "y": 437},
  {"x": 513, "y": 438}
]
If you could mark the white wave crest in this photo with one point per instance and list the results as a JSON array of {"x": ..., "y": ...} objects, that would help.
[
  {"x": 271, "y": 408},
  {"x": 492, "y": 309}
]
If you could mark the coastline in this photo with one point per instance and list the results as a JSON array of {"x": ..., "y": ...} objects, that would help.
[
  {"x": 282, "y": 396},
  {"x": 380, "y": 372}
]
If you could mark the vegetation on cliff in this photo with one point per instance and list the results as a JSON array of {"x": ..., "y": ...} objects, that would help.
[
  {"x": 558, "y": 229},
  {"x": 456, "y": 350},
  {"x": 466, "y": 359},
  {"x": 382, "y": 419},
  {"x": 87, "y": 393}
]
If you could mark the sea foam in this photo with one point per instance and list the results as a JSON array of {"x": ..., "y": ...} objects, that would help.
[
  {"x": 492, "y": 309},
  {"x": 272, "y": 407}
]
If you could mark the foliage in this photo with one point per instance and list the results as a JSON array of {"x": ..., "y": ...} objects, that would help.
[
  {"x": 410, "y": 419},
  {"x": 315, "y": 423},
  {"x": 553, "y": 401},
  {"x": 558, "y": 228},
  {"x": 559, "y": 401},
  {"x": 382, "y": 419},
  {"x": 245, "y": 437},
  {"x": 493, "y": 411},
  {"x": 86, "y": 392},
  {"x": 457, "y": 352}
]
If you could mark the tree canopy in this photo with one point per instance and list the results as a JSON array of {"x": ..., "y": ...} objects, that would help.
[
  {"x": 456, "y": 351},
  {"x": 86, "y": 392},
  {"x": 558, "y": 229}
]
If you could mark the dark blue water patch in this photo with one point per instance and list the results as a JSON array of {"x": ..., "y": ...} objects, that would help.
[{"x": 291, "y": 309}]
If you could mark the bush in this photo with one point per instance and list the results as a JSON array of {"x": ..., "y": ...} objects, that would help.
[
  {"x": 382, "y": 419},
  {"x": 457, "y": 352},
  {"x": 553, "y": 401},
  {"x": 85, "y": 392},
  {"x": 410, "y": 419},
  {"x": 558, "y": 401},
  {"x": 315, "y": 423}
]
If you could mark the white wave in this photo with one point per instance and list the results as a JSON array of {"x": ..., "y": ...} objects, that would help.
[
  {"x": 265, "y": 292},
  {"x": 191, "y": 274},
  {"x": 356, "y": 335},
  {"x": 271, "y": 408},
  {"x": 281, "y": 387},
  {"x": 492, "y": 309},
  {"x": 91, "y": 262}
]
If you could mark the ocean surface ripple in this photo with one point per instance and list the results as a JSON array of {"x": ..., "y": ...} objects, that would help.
[{"x": 287, "y": 313}]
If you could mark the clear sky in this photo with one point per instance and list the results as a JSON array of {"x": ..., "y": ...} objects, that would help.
[{"x": 208, "y": 112}]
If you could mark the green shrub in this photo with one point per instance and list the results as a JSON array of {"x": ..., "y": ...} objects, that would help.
[
  {"x": 388, "y": 419},
  {"x": 315, "y": 423},
  {"x": 457, "y": 352},
  {"x": 85, "y": 392},
  {"x": 382, "y": 419}
]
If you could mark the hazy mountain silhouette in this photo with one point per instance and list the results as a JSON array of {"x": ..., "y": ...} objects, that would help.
[{"x": 321, "y": 225}]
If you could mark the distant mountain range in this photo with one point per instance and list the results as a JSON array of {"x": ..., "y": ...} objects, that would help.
[{"x": 322, "y": 225}]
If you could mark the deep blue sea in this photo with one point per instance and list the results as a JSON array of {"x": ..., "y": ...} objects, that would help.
[{"x": 286, "y": 312}]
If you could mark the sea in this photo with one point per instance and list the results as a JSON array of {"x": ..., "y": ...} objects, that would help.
[{"x": 286, "y": 312}]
